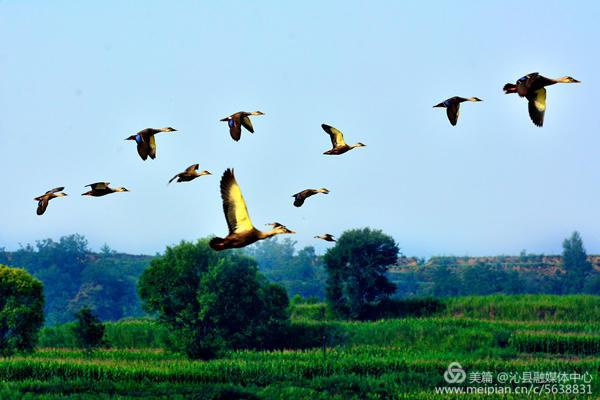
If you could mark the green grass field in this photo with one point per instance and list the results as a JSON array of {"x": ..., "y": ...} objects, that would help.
[{"x": 387, "y": 359}]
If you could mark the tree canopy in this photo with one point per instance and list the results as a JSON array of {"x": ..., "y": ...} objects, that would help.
[
  {"x": 213, "y": 300},
  {"x": 357, "y": 267},
  {"x": 21, "y": 310}
]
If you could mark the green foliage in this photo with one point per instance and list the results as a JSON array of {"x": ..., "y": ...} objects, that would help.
[
  {"x": 213, "y": 300},
  {"x": 21, "y": 310},
  {"x": 356, "y": 268},
  {"x": 75, "y": 277},
  {"x": 575, "y": 264},
  {"x": 301, "y": 273},
  {"x": 556, "y": 343},
  {"x": 385, "y": 359},
  {"x": 88, "y": 330}
]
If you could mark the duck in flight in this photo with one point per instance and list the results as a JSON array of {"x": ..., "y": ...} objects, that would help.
[
  {"x": 326, "y": 237},
  {"x": 100, "y": 189},
  {"x": 239, "y": 119},
  {"x": 189, "y": 174},
  {"x": 241, "y": 231},
  {"x": 533, "y": 88},
  {"x": 146, "y": 144},
  {"x": 303, "y": 195},
  {"x": 337, "y": 141},
  {"x": 452, "y": 106},
  {"x": 44, "y": 199}
]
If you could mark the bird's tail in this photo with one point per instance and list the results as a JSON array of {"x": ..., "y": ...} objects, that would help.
[
  {"x": 510, "y": 88},
  {"x": 217, "y": 243}
]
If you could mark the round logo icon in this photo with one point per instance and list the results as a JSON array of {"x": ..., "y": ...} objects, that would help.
[{"x": 455, "y": 373}]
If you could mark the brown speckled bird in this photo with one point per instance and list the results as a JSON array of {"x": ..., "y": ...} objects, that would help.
[
  {"x": 533, "y": 88},
  {"x": 46, "y": 197},
  {"x": 102, "y": 189},
  {"x": 239, "y": 119},
  {"x": 452, "y": 106},
  {"x": 326, "y": 237},
  {"x": 146, "y": 144},
  {"x": 303, "y": 195},
  {"x": 189, "y": 174},
  {"x": 241, "y": 231},
  {"x": 337, "y": 141}
]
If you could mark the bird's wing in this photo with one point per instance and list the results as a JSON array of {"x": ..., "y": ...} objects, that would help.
[
  {"x": 151, "y": 147},
  {"x": 337, "y": 138},
  {"x": 299, "y": 199},
  {"x": 42, "y": 205},
  {"x": 142, "y": 149},
  {"x": 146, "y": 133},
  {"x": 537, "y": 106},
  {"x": 99, "y": 185},
  {"x": 173, "y": 178},
  {"x": 192, "y": 168},
  {"x": 55, "y": 190},
  {"x": 247, "y": 124},
  {"x": 453, "y": 110},
  {"x": 235, "y": 129},
  {"x": 234, "y": 205}
]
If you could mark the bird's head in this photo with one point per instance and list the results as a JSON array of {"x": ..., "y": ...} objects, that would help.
[
  {"x": 257, "y": 113},
  {"x": 474, "y": 99},
  {"x": 121, "y": 189},
  {"x": 205, "y": 172},
  {"x": 132, "y": 137},
  {"x": 440, "y": 105},
  {"x": 359, "y": 144},
  {"x": 568, "y": 79},
  {"x": 323, "y": 190},
  {"x": 61, "y": 194},
  {"x": 168, "y": 129}
]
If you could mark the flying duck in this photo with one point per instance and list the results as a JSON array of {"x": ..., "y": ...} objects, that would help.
[
  {"x": 533, "y": 88},
  {"x": 102, "y": 189},
  {"x": 239, "y": 119},
  {"x": 189, "y": 174},
  {"x": 241, "y": 231},
  {"x": 146, "y": 144},
  {"x": 452, "y": 106},
  {"x": 337, "y": 141},
  {"x": 303, "y": 195},
  {"x": 46, "y": 197},
  {"x": 326, "y": 237}
]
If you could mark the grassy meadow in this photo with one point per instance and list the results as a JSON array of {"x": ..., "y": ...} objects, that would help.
[{"x": 387, "y": 359}]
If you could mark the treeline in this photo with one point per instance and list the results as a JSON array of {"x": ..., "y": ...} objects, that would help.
[
  {"x": 106, "y": 281},
  {"x": 450, "y": 276},
  {"x": 74, "y": 277}
]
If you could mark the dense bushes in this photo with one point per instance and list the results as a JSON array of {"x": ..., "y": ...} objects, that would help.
[
  {"x": 213, "y": 300},
  {"x": 21, "y": 310}
]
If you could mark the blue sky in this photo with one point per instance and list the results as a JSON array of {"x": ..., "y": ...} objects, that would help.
[{"x": 76, "y": 78}]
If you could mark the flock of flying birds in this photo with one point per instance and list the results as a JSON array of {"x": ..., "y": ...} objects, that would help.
[{"x": 241, "y": 230}]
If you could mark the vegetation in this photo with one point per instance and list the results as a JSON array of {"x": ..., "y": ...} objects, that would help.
[
  {"x": 356, "y": 268},
  {"x": 301, "y": 273},
  {"x": 213, "y": 300},
  {"x": 88, "y": 330},
  {"x": 75, "y": 277},
  {"x": 21, "y": 304},
  {"x": 393, "y": 358}
]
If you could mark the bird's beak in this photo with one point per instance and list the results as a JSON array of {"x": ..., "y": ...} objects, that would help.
[
  {"x": 291, "y": 231},
  {"x": 439, "y": 105}
]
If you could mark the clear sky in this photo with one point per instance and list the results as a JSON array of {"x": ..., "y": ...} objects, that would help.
[{"x": 76, "y": 78}]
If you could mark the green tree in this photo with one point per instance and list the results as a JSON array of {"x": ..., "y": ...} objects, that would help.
[
  {"x": 21, "y": 310},
  {"x": 88, "y": 330},
  {"x": 575, "y": 263},
  {"x": 356, "y": 268},
  {"x": 213, "y": 300}
]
